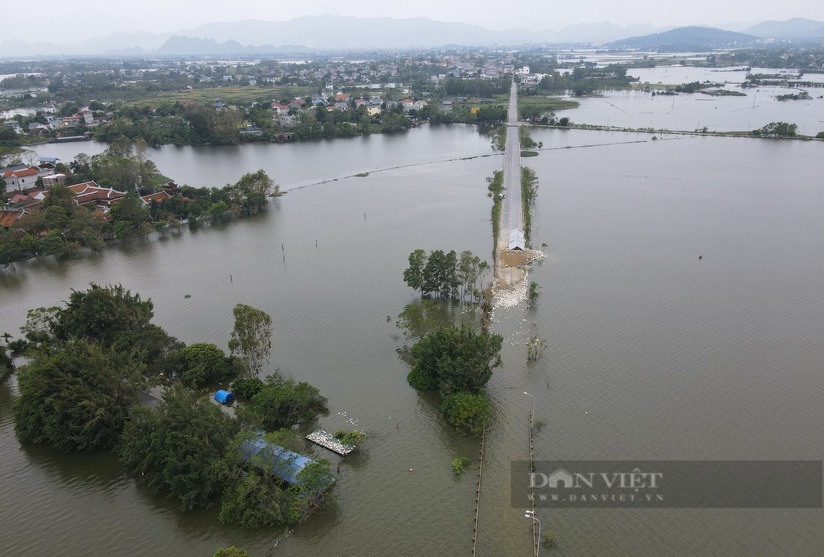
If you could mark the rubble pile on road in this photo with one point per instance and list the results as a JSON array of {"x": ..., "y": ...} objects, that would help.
[
  {"x": 507, "y": 296},
  {"x": 510, "y": 296}
]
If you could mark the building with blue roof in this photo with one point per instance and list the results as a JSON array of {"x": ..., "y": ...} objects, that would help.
[{"x": 284, "y": 464}]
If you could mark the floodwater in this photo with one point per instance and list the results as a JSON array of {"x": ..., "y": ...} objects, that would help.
[
  {"x": 652, "y": 353},
  {"x": 694, "y": 111}
]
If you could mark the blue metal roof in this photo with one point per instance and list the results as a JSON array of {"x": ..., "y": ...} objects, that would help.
[{"x": 285, "y": 464}]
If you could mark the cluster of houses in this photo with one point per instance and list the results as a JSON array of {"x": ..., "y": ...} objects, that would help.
[
  {"x": 56, "y": 125},
  {"x": 342, "y": 101},
  {"x": 24, "y": 195}
]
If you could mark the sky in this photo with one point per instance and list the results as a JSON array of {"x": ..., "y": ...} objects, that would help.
[{"x": 95, "y": 18}]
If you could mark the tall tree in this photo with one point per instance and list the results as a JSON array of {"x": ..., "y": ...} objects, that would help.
[
  {"x": 452, "y": 359},
  {"x": 414, "y": 274},
  {"x": 176, "y": 447},
  {"x": 76, "y": 398},
  {"x": 251, "y": 338}
]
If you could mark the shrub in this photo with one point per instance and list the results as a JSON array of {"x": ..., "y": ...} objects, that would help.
[{"x": 467, "y": 412}]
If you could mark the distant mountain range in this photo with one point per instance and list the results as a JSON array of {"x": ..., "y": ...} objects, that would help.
[
  {"x": 797, "y": 28},
  {"x": 324, "y": 33},
  {"x": 686, "y": 39}
]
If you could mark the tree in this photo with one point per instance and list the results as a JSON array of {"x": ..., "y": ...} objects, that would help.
[
  {"x": 128, "y": 214},
  {"x": 779, "y": 129},
  {"x": 246, "y": 388},
  {"x": 59, "y": 195},
  {"x": 283, "y": 403},
  {"x": 103, "y": 314},
  {"x": 6, "y": 362},
  {"x": 251, "y": 338},
  {"x": 258, "y": 182},
  {"x": 255, "y": 496},
  {"x": 203, "y": 363},
  {"x": 433, "y": 273},
  {"x": 176, "y": 447},
  {"x": 414, "y": 274},
  {"x": 313, "y": 482},
  {"x": 77, "y": 397},
  {"x": 452, "y": 359},
  {"x": 467, "y": 412}
]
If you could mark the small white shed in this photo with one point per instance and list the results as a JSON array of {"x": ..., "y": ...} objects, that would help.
[{"x": 516, "y": 240}]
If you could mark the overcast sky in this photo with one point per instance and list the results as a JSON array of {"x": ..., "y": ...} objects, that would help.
[{"x": 93, "y": 18}]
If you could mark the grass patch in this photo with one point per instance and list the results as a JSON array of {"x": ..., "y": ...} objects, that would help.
[
  {"x": 529, "y": 154},
  {"x": 362, "y": 174},
  {"x": 546, "y": 104},
  {"x": 496, "y": 188}
]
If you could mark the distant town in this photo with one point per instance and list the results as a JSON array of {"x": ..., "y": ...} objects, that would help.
[{"x": 133, "y": 104}]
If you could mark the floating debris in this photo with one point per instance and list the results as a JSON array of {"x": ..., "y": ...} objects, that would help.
[{"x": 328, "y": 441}]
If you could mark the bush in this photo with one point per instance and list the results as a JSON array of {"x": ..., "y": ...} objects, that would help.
[
  {"x": 352, "y": 438},
  {"x": 246, "y": 388},
  {"x": 548, "y": 539},
  {"x": 467, "y": 412},
  {"x": 203, "y": 363},
  {"x": 283, "y": 403},
  {"x": 459, "y": 464}
]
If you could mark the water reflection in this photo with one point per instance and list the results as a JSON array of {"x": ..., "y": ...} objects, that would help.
[{"x": 98, "y": 471}]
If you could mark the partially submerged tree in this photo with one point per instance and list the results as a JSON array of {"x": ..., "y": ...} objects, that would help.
[
  {"x": 251, "y": 338},
  {"x": 203, "y": 363},
  {"x": 175, "y": 448},
  {"x": 76, "y": 397},
  {"x": 283, "y": 403},
  {"x": 452, "y": 359}
]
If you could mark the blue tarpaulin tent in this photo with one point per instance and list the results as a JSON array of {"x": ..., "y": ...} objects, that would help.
[{"x": 224, "y": 397}]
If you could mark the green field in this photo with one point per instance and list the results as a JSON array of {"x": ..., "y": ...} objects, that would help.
[{"x": 229, "y": 95}]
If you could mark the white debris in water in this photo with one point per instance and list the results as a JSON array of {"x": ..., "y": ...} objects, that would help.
[{"x": 513, "y": 295}]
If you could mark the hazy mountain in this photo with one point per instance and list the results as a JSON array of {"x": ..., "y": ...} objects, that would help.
[
  {"x": 797, "y": 28},
  {"x": 328, "y": 32},
  {"x": 686, "y": 39},
  {"x": 16, "y": 48},
  {"x": 179, "y": 46},
  {"x": 348, "y": 33},
  {"x": 601, "y": 32},
  {"x": 121, "y": 42}
]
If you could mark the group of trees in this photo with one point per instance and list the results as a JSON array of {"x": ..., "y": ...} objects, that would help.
[
  {"x": 446, "y": 275},
  {"x": 60, "y": 227},
  {"x": 201, "y": 123},
  {"x": 585, "y": 79},
  {"x": 455, "y": 361},
  {"x": 776, "y": 129},
  {"x": 90, "y": 360},
  {"x": 246, "y": 197}
]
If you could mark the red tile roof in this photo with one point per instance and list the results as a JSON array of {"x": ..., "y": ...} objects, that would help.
[
  {"x": 20, "y": 173},
  {"x": 89, "y": 192},
  {"x": 159, "y": 196}
]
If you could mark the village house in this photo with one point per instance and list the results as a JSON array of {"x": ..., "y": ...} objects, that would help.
[
  {"x": 278, "y": 108},
  {"x": 21, "y": 179},
  {"x": 49, "y": 181}
]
